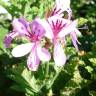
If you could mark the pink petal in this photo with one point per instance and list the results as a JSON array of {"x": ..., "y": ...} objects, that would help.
[
  {"x": 19, "y": 27},
  {"x": 46, "y": 26},
  {"x": 55, "y": 18},
  {"x": 33, "y": 61},
  {"x": 59, "y": 55},
  {"x": 68, "y": 29},
  {"x": 43, "y": 54},
  {"x": 8, "y": 39},
  {"x": 57, "y": 12},
  {"x": 24, "y": 22},
  {"x": 74, "y": 40},
  {"x": 55, "y": 22},
  {"x": 63, "y": 5},
  {"x": 38, "y": 28}
]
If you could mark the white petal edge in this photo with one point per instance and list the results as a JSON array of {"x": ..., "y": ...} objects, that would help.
[
  {"x": 63, "y": 4},
  {"x": 22, "y": 49}
]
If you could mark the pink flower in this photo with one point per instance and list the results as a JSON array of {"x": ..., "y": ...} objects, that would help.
[
  {"x": 35, "y": 35},
  {"x": 56, "y": 30},
  {"x": 20, "y": 28},
  {"x": 60, "y": 7}
]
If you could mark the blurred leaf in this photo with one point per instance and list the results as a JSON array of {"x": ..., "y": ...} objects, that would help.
[
  {"x": 82, "y": 21},
  {"x": 3, "y": 32}
]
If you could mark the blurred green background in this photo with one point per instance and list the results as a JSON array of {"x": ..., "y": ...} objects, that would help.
[{"x": 79, "y": 75}]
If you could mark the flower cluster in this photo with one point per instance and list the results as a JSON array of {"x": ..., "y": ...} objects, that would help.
[{"x": 55, "y": 28}]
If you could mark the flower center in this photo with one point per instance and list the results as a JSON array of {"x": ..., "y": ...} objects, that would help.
[
  {"x": 57, "y": 27},
  {"x": 37, "y": 32}
]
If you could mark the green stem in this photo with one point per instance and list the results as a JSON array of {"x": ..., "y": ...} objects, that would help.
[
  {"x": 55, "y": 77},
  {"x": 47, "y": 69}
]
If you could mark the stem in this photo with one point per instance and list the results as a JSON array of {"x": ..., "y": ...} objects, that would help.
[
  {"x": 47, "y": 70},
  {"x": 55, "y": 77}
]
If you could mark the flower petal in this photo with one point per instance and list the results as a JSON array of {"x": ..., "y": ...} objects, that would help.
[
  {"x": 62, "y": 4},
  {"x": 19, "y": 27},
  {"x": 68, "y": 29},
  {"x": 33, "y": 61},
  {"x": 78, "y": 32},
  {"x": 22, "y": 49},
  {"x": 55, "y": 18},
  {"x": 43, "y": 54},
  {"x": 59, "y": 55},
  {"x": 38, "y": 28},
  {"x": 46, "y": 26},
  {"x": 74, "y": 40},
  {"x": 24, "y": 22},
  {"x": 8, "y": 39}
]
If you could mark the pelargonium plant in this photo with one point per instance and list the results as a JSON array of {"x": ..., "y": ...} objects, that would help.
[{"x": 53, "y": 29}]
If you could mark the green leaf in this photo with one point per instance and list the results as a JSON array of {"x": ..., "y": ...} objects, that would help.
[
  {"x": 82, "y": 21},
  {"x": 3, "y": 32},
  {"x": 18, "y": 88}
]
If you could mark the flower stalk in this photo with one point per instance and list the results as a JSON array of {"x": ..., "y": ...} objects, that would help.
[
  {"x": 47, "y": 70},
  {"x": 53, "y": 79}
]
